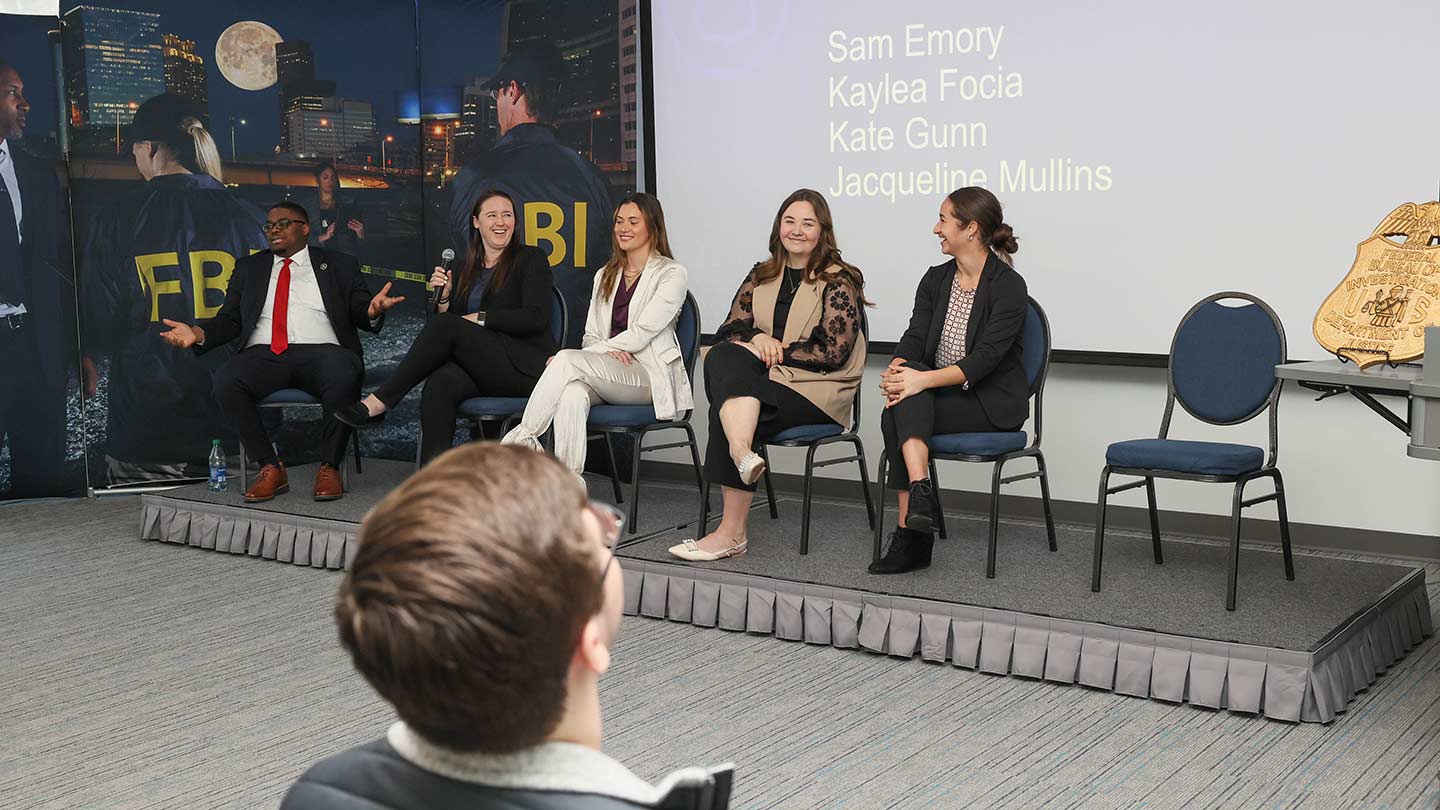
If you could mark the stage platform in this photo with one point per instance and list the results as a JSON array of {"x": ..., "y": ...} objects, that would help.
[{"x": 1294, "y": 651}]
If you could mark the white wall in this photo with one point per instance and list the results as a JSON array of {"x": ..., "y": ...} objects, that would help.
[{"x": 1344, "y": 466}]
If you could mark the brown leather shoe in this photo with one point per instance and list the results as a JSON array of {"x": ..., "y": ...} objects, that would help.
[
  {"x": 327, "y": 484},
  {"x": 269, "y": 482}
]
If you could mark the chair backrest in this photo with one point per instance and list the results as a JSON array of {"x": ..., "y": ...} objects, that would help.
[
  {"x": 1035, "y": 358},
  {"x": 1035, "y": 346},
  {"x": 855, "y": 406},
  {"x": 1223, "y": 359},
  {"x": 687, "y": 331},
  {"x": 559, "y": 317}
]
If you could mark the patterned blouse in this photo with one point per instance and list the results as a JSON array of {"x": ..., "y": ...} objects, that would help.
[
  {"x": 952, "y": 348},
  {"x": 828, "y": 345}
]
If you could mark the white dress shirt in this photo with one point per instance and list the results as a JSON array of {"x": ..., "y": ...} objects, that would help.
[
  {"x": 12, "y": 184},
  {"x": 307, "y": 321}
]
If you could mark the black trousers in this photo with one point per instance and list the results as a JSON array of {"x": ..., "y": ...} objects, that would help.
[
  {"x": 938, "y": 410},
  {"x": 32, "y": 417},
  {"x": 456, "y": 359},
  {"x": 732, "y": 371},
  {"x": 325, "y": 371}
]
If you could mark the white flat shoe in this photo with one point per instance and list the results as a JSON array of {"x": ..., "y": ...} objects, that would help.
[
  {"x": 690, "y": 550},
  {"x": 751, "y": 468},
  {"x": 519, "y": 435}
]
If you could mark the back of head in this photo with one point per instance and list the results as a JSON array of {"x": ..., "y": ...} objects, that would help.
[
  {"x": 468, "y": 594},
  {"x": 173, "y": 122},
  {"x": 979, "y": 205},
  {"x": 540, "y": 70}
]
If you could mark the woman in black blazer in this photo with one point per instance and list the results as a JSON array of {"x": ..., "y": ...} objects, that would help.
[
  {"x": 491, "y": 336},
  {"x": 958, "y": 367}
]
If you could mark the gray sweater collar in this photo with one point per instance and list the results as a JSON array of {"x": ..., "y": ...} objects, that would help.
[{"x": 552, "y": 766}]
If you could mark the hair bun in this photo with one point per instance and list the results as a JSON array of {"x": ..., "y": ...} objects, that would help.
[{"x": 1003, "y": 239}]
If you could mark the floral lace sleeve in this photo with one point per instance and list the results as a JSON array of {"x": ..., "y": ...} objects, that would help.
[
  {"x": 829, "y": 344},
  {"x": 740, "y": 325}
]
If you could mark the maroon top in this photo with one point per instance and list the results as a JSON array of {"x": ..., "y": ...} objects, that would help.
[{"x": 620, "y": 309}]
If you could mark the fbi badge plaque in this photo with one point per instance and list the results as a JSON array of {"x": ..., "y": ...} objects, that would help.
[{"x": 1379, "y": 312}]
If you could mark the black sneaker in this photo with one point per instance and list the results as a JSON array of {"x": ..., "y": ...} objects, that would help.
[
  {"x": 356, "y": 415},
  {"x": 921, "y": 514},
  {"x": 909, "y": 551}
]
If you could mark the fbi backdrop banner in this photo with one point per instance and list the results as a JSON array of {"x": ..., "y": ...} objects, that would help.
[{"x": 175, "y": 126}]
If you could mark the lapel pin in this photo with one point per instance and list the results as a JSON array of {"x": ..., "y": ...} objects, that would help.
[{"x": 324, "y": 266}]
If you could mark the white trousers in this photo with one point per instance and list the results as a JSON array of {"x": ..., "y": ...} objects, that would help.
[{"x": 573, "y": 382}]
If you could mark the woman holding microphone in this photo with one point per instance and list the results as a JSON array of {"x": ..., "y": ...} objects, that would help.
[{"x": 490, "y": 337}]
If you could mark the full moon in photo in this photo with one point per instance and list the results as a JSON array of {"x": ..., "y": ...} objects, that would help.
[{"x": 245, "y": 53}]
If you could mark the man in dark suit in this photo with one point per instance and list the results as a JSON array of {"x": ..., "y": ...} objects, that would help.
[
  {"x": 294, "y": 312},
  {"x": 33, "y": 333}
]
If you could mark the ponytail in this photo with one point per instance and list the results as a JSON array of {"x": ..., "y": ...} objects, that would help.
[{"x": 207, "y": 156}]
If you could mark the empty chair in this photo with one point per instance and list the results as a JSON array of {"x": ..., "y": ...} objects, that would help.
[{"x": 1222, "y": 372}]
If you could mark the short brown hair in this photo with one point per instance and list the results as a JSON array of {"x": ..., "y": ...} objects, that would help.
[{"x": 467, "y": 596}]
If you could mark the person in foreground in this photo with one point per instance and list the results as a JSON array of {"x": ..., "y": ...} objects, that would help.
[
  {"x": 482, "y": 604},
  {"x": 294, "y": 312},
  {"x": 491, "y": 336},
  {"x": 630, "y": 353},
  {"x": 791, "y": 353},
  {"x": 957, "y": 368}
]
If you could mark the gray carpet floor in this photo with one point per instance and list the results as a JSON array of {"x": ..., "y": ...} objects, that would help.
[
  {"x": 1184, "y": 596},
  {"x": 143, "y": 675}
]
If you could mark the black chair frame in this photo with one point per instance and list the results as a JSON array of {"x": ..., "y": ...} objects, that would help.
[
  {"x": 640, "y": 432},
  {"x": 1238, "y": 502},
  {"x": 1037, "y": 393}
]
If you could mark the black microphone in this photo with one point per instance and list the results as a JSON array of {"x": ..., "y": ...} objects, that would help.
[{"x": 445, "y": 259}]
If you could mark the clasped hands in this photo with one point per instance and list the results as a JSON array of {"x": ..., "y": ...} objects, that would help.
[
  {"x": 900, "y": 381},
  {"x": 770, "y": 351}
]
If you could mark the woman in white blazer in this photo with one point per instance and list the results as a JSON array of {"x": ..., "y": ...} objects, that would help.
[{"x": 629, "y": 355}]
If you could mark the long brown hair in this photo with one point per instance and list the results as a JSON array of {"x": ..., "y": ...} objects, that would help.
[
  {"x": 978, "y": 205},
  {"x": 826, "y": 254},
  {"x": 475, "y": 253},
  {"x": 654, "y": 217}
]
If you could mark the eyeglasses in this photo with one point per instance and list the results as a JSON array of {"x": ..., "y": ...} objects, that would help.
[
  {"x": 281, "y": 224},
  {"x": 495, "y": 91},
  {"x": 612, "y": 523}
]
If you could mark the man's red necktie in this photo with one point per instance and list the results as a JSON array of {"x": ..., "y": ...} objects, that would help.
[{"x": 279, "y": 336}]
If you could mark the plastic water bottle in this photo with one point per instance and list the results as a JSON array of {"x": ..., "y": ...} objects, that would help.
[{"x": 217, "y": 467}]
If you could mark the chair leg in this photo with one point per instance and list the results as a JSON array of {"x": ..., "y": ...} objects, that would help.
[
  {"x": 355, "y": 437},
  {"x": 417, "y": 452},
  {"x": 769, "y": 485},
  {"x": 699, "y": 477},
  {"x": 635, "y": 481},
  {"x": 1154, "y": 521},
  {"x": 1099, "y": 553},
  {"x": 1045, "y": 500},
  {"x": 1284, "y": 526},
  {"x": 704, "y": 512},
  {"x": 805, "y": 504},
  {"x": 879, "y": 526},
  {"x": 994, "y": 520},
  {"x": 939, "y": 507},
  {"x": 614, "y": 475},
  {"x": 244, "y": 470},
  {"x": 1233, "y": 572},
  {"x": 865, "y": 482}
]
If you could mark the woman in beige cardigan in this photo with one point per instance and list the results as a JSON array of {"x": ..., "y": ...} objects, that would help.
[{"x": 791, "y": 353}]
